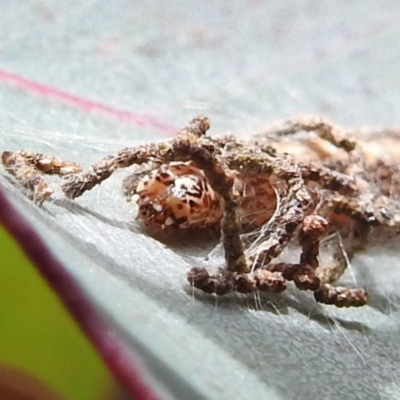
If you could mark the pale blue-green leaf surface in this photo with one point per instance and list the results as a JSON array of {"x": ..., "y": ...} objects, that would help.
[{"x": 84, "y": 79}]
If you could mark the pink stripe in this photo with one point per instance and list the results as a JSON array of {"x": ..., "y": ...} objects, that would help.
[{"x": 87, "y": 105}]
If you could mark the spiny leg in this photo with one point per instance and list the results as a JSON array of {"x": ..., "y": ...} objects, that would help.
[
  {"x": 305, "y": 276},
  {"x": 78, "y": 184},
  {"x": 288, "y": 218},
  {"x": 27, "y": 168},
  {"x": 295, "y": 202},
  {"x": 327, "y": 178},
  {"x": 325, "y": 129},
  {"x": 303, "y": 273},
  {"x": 364, "y": 214},
  {"x": 341, "y": 296},
  {"x": 326, "y": 293},
  {"x": 222, "y": 184},
  {"x": 290, "y": 215}
]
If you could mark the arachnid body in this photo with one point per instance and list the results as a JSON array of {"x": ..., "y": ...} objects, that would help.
[{"x": 331, "y": 186}]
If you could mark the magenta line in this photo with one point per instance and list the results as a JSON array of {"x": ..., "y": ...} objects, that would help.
[
  {"x": 75, "y": 300},
  {"x": 85, "y": 104}
]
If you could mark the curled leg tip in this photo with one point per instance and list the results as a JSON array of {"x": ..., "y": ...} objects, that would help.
[
  {"x": 220, "y": 283},
  {"x": 341, "y": 296}
]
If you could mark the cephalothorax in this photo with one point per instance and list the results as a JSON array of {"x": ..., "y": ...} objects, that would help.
[{"x": 197, "y": 181}]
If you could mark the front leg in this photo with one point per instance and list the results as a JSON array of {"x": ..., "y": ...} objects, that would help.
[
  {"x": 222, "y": 184},
  {"x": 78, "y": 184},
  {"x": 28, "y": 167}
]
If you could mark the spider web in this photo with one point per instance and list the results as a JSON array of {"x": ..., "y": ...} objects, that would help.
[{"x": 81, "y": 80}]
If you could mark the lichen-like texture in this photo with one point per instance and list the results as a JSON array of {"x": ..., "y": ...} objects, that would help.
[{"x": 83, "y": 80}]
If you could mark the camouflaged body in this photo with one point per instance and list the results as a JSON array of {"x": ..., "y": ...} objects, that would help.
[{"x": 179, "y": 195}]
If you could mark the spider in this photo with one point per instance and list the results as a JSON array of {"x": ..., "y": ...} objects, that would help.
[{"x": 331, "y": 186}]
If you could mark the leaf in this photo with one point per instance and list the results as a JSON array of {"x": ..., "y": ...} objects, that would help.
[
  {"x": 39, "y": 340},
  {"x": 242, "y": 64}
]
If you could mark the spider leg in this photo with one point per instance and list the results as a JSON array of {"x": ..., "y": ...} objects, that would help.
[
  {"x": 380, "y": 212},
  {"x": 295, "y": 203},
  {"x": 184, "y": 149},
  {"x": 78, "y": 184},
  {"x": 340, "y": 296},
  {"x": 305, "y": 275},
  {"x": 27, "y": 168},
  {"x": 314, "y": 228},
  {"x": 291, "y": 215},
  {"x": 328, "y": 178},
  {"x": 325, "y": 129},
  {"x": 236, "y": 276},
  {"x": 225, "y": 281}
]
